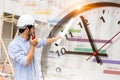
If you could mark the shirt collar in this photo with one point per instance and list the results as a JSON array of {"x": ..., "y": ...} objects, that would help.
[{"x": 22, "y": 39}]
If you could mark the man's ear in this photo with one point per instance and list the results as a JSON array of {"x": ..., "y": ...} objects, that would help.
[{"x": 27, "y": 29}]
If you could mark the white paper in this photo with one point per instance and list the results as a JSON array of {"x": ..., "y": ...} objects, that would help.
[{"x": 65, "y": 31}]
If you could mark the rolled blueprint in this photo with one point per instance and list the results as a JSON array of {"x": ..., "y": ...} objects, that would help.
[{"x": 65, "y": 31}]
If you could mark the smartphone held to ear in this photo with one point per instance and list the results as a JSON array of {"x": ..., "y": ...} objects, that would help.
[{"x": 33, "y": 36}]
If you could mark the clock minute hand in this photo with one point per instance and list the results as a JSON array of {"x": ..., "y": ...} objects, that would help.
[
  {"x": 90, "y": 39},
  {"x": 104, "y": 44}
]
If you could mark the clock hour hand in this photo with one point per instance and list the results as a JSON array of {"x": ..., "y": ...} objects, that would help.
[
  {"x": 85, "y": 24},
  {"x": 64, "y": 51}
]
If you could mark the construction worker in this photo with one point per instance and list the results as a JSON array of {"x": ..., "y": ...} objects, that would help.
[{"x": 22, "y": 49}]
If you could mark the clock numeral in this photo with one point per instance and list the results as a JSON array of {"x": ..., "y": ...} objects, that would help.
[
  {"x": 85, "y": 20},
  {"x": 70, "y": 33},
  {"x": 80, "y": 24},
  {"x": 58, "y": 53},
  {"x": 66, "y": 36},
  {"x": 118, "y": 22},
  {"x": 63, "y": 50},
  {"x": 102, "y": 18}
]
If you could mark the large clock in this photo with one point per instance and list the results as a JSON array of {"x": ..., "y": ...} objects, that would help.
[{"x": 90, "y": 49}]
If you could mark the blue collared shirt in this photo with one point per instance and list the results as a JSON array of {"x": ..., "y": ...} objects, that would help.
[{"x": 18, "y": 50}]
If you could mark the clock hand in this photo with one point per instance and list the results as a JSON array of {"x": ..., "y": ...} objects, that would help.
[
  {"x": 63, "y": 51},
  {"x": 104, "y": 45},
  {"x": 91, "y": 40},
  {"x": 84, "y": 53}
]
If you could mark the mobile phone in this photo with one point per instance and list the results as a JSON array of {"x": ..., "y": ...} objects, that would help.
[{"x": 33, "y": 37}]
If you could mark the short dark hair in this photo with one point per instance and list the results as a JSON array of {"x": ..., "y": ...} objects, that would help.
[{"x": 27, "y": 26}]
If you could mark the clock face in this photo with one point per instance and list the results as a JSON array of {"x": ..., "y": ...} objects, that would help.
[{"x": 96, "y": 29}]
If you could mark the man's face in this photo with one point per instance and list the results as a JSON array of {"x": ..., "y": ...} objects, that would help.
[{"x": 31, "y": 32}]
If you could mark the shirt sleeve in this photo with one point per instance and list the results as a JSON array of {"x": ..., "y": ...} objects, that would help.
[
  {"x": 17, "y": 54},
  {"x": 41, "y": 42}
]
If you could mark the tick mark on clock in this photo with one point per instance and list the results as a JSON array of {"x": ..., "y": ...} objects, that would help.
[
  {"x": 118, "y": 22},
  {"x": 103, "y": 11},
  {"x": 113, "y": 12},
  {"x": 89, "y": 13},
  {"x": 118, "y": 12},
  {"x": 98, "y": 11},
  {"x": 94, "y": 12}
]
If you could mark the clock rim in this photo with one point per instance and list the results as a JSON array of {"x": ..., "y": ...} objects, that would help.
[{"x": 64, "y": 20}]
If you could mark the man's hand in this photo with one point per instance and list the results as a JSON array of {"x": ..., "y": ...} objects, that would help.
[
  {"x": 50, "y": 40},
  {"x": 57, "y": 37},
  {"x": 34, "y": 41}
]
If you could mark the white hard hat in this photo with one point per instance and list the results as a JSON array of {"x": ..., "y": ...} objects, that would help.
[{"x": 25, "y": 20}]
